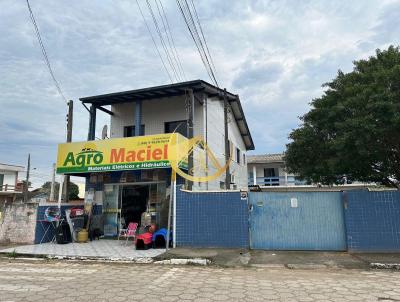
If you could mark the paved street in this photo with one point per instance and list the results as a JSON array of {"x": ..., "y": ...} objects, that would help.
[{"x": 73, "y": 281}]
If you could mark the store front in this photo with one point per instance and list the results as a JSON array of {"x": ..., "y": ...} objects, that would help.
[
  {"x": 128, "y": 180},
  {"x": 144, "y": 203}
]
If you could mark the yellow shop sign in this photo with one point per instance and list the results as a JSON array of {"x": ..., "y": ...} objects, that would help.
[{"x": 131, "y": 153}]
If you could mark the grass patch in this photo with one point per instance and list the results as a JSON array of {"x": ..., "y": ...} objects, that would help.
[{"x": 12, "y": 254}]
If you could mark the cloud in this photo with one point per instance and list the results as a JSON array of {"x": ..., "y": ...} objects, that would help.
[
  {"x": 252, "y": 74},
  {"x": 274, "y": 54}
]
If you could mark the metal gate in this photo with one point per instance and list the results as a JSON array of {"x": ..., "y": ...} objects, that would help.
[{"x": 297, "y": 221}]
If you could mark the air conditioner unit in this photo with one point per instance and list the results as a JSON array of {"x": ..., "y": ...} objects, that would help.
[{"x": 233, "y": 179}]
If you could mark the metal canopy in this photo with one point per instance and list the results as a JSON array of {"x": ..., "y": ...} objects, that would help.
[{"x": 177, "y": 89}]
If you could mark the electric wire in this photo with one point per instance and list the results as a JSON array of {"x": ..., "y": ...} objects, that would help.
[
  {"x": 43, "y": 49},
  {"x": 155, "y": 44},
  {"x": 193, "y": 30},
  {"x": 173, "y": 56},
  {"x": 191, "y": 25},
  {"x": 200, "y": 42},
  {"x": 204, "y": 38},
  {"x": 162, "y": 41},
  {"x": 193, "y": 37},
  {"x": 47, "y": 61},
  {"x": 168, "y": 31}
]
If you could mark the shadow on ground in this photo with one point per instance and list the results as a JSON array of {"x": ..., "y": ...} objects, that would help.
[{"x": 289, "y": 259}]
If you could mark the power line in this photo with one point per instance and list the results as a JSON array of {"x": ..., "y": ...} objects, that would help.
[
  {"x": 170, "y": 37},
  {"x": 198, "y": 42},
  {"x": 193, "y": 37},
  {"x": 43, "y": 49},
  {"x": 202, "y": 34},
  {"x": 154, "y": 42},
  {"x": 170, "y": 61},
  {"x": 201, "y": 43},
  {"x": 191, "y": 25}
]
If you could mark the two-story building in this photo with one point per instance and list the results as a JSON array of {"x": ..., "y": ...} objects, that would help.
[
  {"x": 129, "y": 174},
  {"x": 9, "y": 189},
  {"x": 269, "y": 170}
]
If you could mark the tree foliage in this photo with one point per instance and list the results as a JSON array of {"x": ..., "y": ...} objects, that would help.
[
  {"x": 73, "y": 189},
  {"x": 353, "y": 129}
]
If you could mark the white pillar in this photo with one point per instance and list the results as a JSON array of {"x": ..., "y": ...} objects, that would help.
[
  {"x": 286, "y": 179},
  {"x": 60, "y": 190},
  {"x": 173, "y": 186},
  {"x": 53, "y": 181},
  {"x": 254, "y": 175}
]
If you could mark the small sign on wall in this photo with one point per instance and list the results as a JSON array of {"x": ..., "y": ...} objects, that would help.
[
  {"x": 243, "y": 195},
  {"x": 293, "y": 202},
  {"x": 89, "y": 199}
]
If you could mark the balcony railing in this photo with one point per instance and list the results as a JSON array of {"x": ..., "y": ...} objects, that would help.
[
  {"x": 10, "y": 188},
  {"x": 275, "y": 181}
]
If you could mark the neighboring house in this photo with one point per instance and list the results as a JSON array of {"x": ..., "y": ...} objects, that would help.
[
  {"x": 39, "y": 197},
  {"x": 269, "y": 170},
  {"x": 9, "y": 188}
]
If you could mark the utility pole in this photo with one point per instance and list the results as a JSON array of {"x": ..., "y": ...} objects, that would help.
[
  {"x": 227, "y": 149},
  {"x": 53, "y": 180},
  {"x": 190, "y": 136},
  {"x": 69, "y": 139},
  {"x": 26, "y": 187}
]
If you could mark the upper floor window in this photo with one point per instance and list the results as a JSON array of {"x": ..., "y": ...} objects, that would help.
[
  {"x": 244, "y": 159},
  {"x": 176, "y": 126},
  {"x": 238, "y": 155},
  {"x": 269, "y": 172},
  {"x": 129, "y": 131},
  {"x": 1, "y": 181}
]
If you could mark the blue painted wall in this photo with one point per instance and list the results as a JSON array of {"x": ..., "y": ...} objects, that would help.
[
  {"x": 373, "y": 221},
  {"x": 212, "y": 219},
  {"x": 317, "y": 223},
  {"x": 41, "y": 226}
]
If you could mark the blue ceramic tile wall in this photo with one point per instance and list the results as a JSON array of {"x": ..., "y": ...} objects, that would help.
[
  {"x": 42, "y": 226},
  {"x": 212, "y": 219},
  {"x": 372, "y": 220}
]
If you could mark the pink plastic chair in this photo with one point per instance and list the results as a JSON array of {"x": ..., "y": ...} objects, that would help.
[{"x": 130, "y": 232}]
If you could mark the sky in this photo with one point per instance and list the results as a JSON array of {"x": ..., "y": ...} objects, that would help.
[{"x": 274, "y": 54}]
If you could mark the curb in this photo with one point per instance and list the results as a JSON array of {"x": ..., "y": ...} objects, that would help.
[
  {"x": 306, "y": 266},
  {"x": 142, "y": 260},
  {"x": 194, "y": 261},
  {"x": 377, "y": 265}
]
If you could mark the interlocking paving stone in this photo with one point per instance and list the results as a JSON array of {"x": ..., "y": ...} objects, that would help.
[
  {"x": 108, "y": 249},
  {"x": 75, "y": 281}
]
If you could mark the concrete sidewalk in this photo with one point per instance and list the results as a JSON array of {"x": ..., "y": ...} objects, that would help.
[
  {"x": 113, "y": 250},
  {"x": 98, "y": 249},
  {"x": 288, "y": 259}
]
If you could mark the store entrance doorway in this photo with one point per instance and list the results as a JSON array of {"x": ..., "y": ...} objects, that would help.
[
  {"x": 145, "y": 203},
  {"x": 134, "y": 202}
]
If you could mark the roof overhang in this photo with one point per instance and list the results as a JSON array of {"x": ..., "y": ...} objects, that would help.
[
  {"x": 11, "y": 168},
  {"x": 177, "y": 89}
]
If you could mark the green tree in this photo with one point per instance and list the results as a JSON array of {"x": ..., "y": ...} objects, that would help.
[
  {"x": 73, "y": 189},
  {"x": 353, "y": 129}
]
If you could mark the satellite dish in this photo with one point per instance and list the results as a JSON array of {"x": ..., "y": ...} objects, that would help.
[{"x": 104, "y": 132}]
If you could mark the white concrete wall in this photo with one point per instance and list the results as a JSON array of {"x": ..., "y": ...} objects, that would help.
[
  {"x": 18, "y": 223},
  {"x": 156, "y": 112},
  {"x": 216, "y": 142}
]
